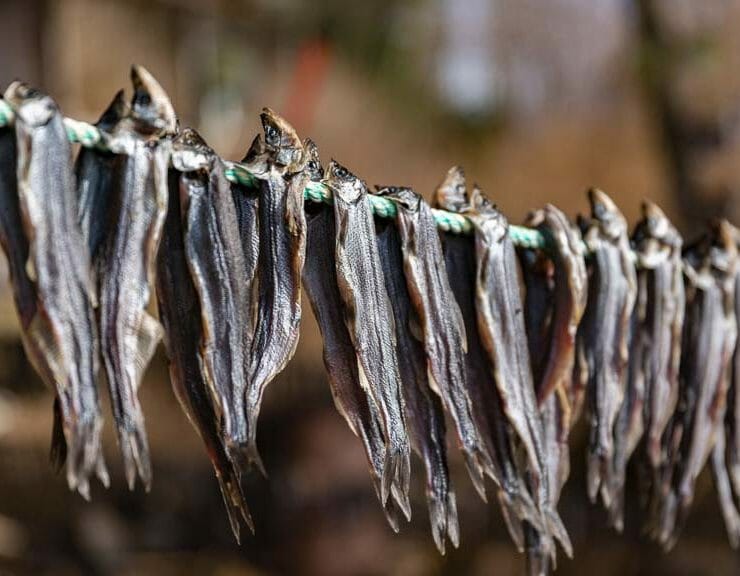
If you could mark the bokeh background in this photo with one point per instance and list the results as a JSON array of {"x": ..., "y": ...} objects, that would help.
[{"x": 537, "y": 99}]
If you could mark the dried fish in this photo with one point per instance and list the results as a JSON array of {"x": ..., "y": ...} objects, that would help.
[
  {"x": 352, "y": 401},
  {"x": 709, "y": 338},
  {"x": 278, "y": 162},
  {"x": 440, "y": 320},
  {"x": 50, "y": 265},
  {"x": 501, "y": 441},
  {"x": 181, "y": 314},
  {"x": 213, "y": 250},
  {"x": 604, "y": 333},
  {"x": 728, "y": 507},
  {"x": 430, "y": 340},
  {"x": 556, "y": 288},
  {"x": 655, "y": 349},
  {"x": 94, "y": 170},
  {"x": 126, "y": 260},
  {"x": 733, "y": 413},
  {"x": 369, "y": 318}
]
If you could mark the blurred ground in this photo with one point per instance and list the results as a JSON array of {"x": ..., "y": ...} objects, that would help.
[{"x": 537, "y": 100}]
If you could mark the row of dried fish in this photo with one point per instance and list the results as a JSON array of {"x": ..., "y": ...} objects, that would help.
[{"x": 509, "y": 343}]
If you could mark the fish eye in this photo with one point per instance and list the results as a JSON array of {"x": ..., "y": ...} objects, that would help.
[
  {"x": 271, "y": 135},
  {"x": 313, "y": 165},
  {"x": 143, "y": 98},
  {"x": 341, "y": 172}
]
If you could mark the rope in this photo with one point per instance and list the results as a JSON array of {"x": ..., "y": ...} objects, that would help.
[{"x": 89, "y": 136}]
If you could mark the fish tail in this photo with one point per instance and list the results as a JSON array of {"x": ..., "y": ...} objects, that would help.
[
  {"x": 595, "y": 476},
  {"x": 476, "y": 473},
  {"x": 538, "y": 561},
  {"x": 559, "y": 532},
  {"x": 135, "y": 452},
  {"x": 512, "y": 520},
  {"x": 443, "y": 519},
  {"x": 234, "y": 501}
]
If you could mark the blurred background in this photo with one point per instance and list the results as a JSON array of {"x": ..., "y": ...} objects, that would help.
[{"x": 536, "y": 99}]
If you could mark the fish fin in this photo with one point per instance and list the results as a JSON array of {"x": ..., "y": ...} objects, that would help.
[
  {"x": 559, "y": 532},
  {"x": 443, "y": 519},
  {"x": 402, "y": 499},
  {"x": 148, "y": 336},
  {"x": 475, "y": 472},
  {"x": 135, "y": 453},
  {"x": 235, "y": 503},
  {"x": 512, "y": 520}
]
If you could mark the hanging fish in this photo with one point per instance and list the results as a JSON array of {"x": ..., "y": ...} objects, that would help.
[
  {"x": 182, "y": 316},
  {"x": 491, "y": 419},
  {"x": 369, "y": 318},
  {"x": 556, "y": 289},
  {"x": 709, "y": 338},
  {"x": 733, "y": 415},
  {"x": 352, "y": 401},
  {"x": 213, "y": 250},
  {"x": 278, "y": 162},
  {"x": 52, "y": 278},
  {"x": 430, "y": 339},
  {"x": 604, "y": 333},
  {"x": 655, "y": 349},
  {"x": 125, "y": 262},
  {"x": 94, "y": 171}
]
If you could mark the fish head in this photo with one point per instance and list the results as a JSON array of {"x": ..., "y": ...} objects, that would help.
[
  {"x": 151, "y": 108},
  {"x": 402, "y": 195},
  {"x": 723, "y": 250},
  {"x": 605, "y": 212},
  {"x": 190, "y": 152},
  {"x": 33, "y": 106},
  {"x": 114, "y": 113},
  {"x": 256, "y": 158},
  {"x": 487, "y": 216},
  {"x": 281, "y": 141},
  {"x": 451, "y": 194},
  {"x": 343, "y": 183},
  {"x": 313, "y": 161}
]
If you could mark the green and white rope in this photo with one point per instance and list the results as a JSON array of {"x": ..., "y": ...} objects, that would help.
[{"x": 89, "y": 136}]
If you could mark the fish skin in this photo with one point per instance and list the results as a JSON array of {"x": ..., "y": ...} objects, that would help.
[
  {"x": 733, "y": 413},
  {"x": 655, "y": 349},
  {"x": 369, "y": 318},
  {"x": 59, "y": 328},
  {"x": 441, "y": 321},
  {"x": 424, "y": 412},
  {"x": 604, "y": 333},
  {"x": 213, "y": 250},
  {"x": 555, "y": 301},
  {"x": 340, "y": 359},
  {"x": 709, "y": 338},
  {"x": 94, "y": 168},
  {"x": 493, "y": 423},
  {"x": 180, "y": 313},
  {"x": 127, "y": 260},
  {"x": 499, "y": 305},
  {"x": 350, "y": 399},
  {"x": 278, "y": 162}
]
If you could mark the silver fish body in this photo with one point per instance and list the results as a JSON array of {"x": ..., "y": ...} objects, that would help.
[
  {"x": 59, "y": 330},
  {"x": 369, "y": 317},
  {"x": 126, "y": 261}
]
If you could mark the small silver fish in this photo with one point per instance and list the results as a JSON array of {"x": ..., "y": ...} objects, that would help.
[
  {"x": 369, "y": 318},
  {"x": 59, "y": 327},
  {"x": 604, "y": 333},
  {"x": 126, "y": 261},
  {"x": 278, "y": 162}
]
